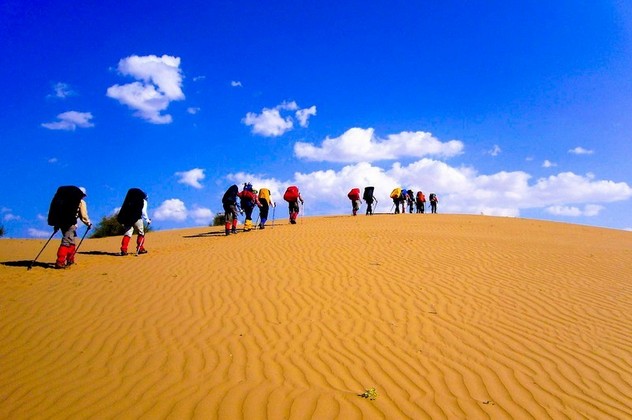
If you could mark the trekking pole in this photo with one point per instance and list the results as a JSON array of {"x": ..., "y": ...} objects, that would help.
[
  {"x": 273, "y": 211},
  {"x": 82, "y": 238},
  {"x": 42, "y": 250}
]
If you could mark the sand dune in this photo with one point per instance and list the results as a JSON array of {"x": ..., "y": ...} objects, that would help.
[{"x": 446, "y": 316}]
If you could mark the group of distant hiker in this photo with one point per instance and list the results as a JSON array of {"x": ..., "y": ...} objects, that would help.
[
  {"x": 68, "y": 206},
  {"x": 235, "y": 201},
  {"x": 401, "y": 197}
]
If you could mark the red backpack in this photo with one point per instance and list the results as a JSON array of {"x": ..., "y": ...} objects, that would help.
[
  {"x": 354, "y": 194},
  {"x": 421, "y": 197},
  {"x": 291, "y": 194}
]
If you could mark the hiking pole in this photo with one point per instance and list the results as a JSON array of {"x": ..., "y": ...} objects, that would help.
[
  {"x": 273, "y": 211},
  {"x": 42, "y": 250},
  {"x": 82, "y": 238}
]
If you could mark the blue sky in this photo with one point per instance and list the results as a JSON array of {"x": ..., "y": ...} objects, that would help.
[{"x": 503, "y": 108}]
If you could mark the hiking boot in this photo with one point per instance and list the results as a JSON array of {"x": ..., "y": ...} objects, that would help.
[
  {"x": 59, "y": 266},
  {"x": 233, "y": 230},
  {"x": 293, "y": 221},
  {"x": 142, "y": 251},
  {"x": 123, "y": 253}
]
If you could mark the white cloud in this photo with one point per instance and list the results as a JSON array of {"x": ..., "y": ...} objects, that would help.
[
  {"x": 572, "y": 211},
  {"x": 53, "y": 160},
  {"x": 361, "y": 145},
  {"x": 192, "y": 177},
  {"x": 269, "y": 123},
  {"x": 172, "y": 209},
  {"x": 9, "y": 217},
  {"x": 302, "y": 115},
  {"x": 461, "y": 189},
  {"x": 235, "y": 83},
  {"x": 580, "y": 151},
  {"x": 159, "y": 81},
  {"x": 193, "y": 110},
  {"x": 495, "y": 151},
  {"x": 70, "y": 120},
  {"x": 39, "y": 233},
  {"x": 548, "y": 164},
  {"x": 62, "y": 91},
  {"x": 201, "y": 215}
]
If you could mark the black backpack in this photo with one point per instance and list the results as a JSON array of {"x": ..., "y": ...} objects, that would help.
[
  {"x": 132, "y": 208},
  {"x": 230, "y": 196},
  {"x": 64, "y": 205}
]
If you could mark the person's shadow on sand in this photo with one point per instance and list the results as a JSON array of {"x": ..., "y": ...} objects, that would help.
[
  {"x": 111, "y": 254},
  {"x": 206, "y": 235},
  {"x": 27, "y": 264}
]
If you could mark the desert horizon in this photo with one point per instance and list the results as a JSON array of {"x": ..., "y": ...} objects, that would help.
[{"x": 383, "y": 316}]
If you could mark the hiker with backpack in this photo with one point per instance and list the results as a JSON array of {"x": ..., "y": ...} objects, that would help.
[
  {"x": 410, "y": 200},
  {"x": 293, "y": 196},
  {"x": 420, "y": 202},
  {"x": 265, "y": 199},
  {"x": 132, "y": 216},
  {"x": 396, "y": 195},
  {"x": 231, "y": 207},
  {"x": 66, "y": 207},
  {"x": 248, "y": 200},
  {"x": 354, "y": 196},
  {"x": 369, "y": 199},
  {"x": 433, "y": 202}
]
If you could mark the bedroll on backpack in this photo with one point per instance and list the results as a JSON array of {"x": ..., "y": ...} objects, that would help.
[
  {"x": 354, "y": 194},
  {"x": 64, "y": 206},
  {"x": 132, "y": 208},
  {"x": 396, "y": 193},
  {"x": 264, "y": 193},
  {"x": 291, "y": 194},
  {"x": 368, "y": 193},
  {"x": 230, "y": 196}
]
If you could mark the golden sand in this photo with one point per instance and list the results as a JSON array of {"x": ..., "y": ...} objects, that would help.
[{"x": 446, "y": 316}]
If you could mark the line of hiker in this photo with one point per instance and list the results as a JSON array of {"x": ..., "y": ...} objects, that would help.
[
  {"x": 401, "y": 197},
  {"x": 235, "y": 202}
]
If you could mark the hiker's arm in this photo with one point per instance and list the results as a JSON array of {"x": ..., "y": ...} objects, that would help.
[{"x": 83, "y": 213}]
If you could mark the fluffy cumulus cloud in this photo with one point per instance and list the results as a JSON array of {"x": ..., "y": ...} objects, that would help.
[
  {"x": 271, "y": 123},
  {"x": 201, "y": 216},
  {"x": 548, "y": 164},
  {"x": 70, "y": 120},
  {"x": 192, "y": 177},
  {"x": 38, "y": 233},
  {"x": 461, "y": 189},
  {"x": 362, "y": 145},
  {"x": 158, "y": 83},
  {"x": 171, "y": 210},
  {"x": 62, "y": 91},
  {"x": 580, "y": 151}
]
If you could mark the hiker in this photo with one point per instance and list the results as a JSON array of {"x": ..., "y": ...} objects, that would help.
[
  {"x": 132, "y": 216},
  {"x": 265, "y": 199},
  {"x": 410, "y": 200},
  {"x": 396, "y": 196},
  {"x": 231, "y": 207},
  {"x": 369, "y": 199},
  {"x": 433, "y": 202},
  {"x": 293, "y": 196},
  {"x": 67, "y": 205},
  {"x": 420, "y": 202},
  {"x": 402, "y": 199},
  {"x": 248, "y": 200},
  {"x": 354, "y": 196}
]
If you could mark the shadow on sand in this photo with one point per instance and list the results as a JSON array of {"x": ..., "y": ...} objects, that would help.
[
  {"x": 110, "y": 254},
  {"x": 27, "y": 264},
  {"x": 206, "y": 235}
]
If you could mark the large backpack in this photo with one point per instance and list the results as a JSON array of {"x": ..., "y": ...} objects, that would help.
[
  {"x": 64, "y": 205},
  {"x": 396, "y": 193},
  {"x": 368, "y": 194},
  {"x": 421, "y": 197},
  {"x": 132, "y": 208},
  {"x": 230, "y": 196},
  {"x": 264, "y": 193},
  {"x": 433, "y": 197},
  {"x": 354, "y": 194},
  {"x": 291, "y": 194}
]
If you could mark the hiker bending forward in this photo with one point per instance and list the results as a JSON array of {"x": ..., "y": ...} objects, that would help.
[
  {"x": 132, "y": 216},
  {"x": 67, "y": 248}
]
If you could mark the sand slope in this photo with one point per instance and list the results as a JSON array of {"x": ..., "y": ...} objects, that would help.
[{"x": 446, "y": 316}]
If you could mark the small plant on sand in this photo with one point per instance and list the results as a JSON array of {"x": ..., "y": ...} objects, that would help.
[
  {"x": 109, "y": 226},
  {"x": 370, "y": 394},
  {"x": 219, "y": 219},
  {"x": 1, "y": 231}
]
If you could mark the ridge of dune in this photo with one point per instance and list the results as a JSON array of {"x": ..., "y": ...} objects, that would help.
[{"x": 447, "y": 316}]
